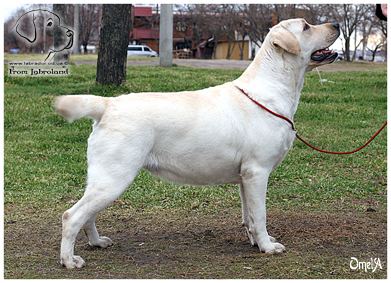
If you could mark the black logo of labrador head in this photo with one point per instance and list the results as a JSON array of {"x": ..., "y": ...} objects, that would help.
[{"x": 29, "y": 29}]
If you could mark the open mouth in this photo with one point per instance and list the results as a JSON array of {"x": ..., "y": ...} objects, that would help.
[
  {"x": 69, "y": 34},
  {"x": 70, "y": 43},
  {"x": 324, "y": 55}
]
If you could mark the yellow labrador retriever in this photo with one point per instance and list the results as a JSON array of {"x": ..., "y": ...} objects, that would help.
[{"x": 205, "y": 137}]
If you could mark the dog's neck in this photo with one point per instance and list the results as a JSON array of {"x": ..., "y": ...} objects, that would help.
[{"x": 271, "y": 81}]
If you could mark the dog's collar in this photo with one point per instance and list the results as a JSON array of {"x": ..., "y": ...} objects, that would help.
[{"x": 268, "y": 110}]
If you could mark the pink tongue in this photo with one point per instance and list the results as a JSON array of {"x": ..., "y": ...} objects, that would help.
[{"x": 322, "y": 52}]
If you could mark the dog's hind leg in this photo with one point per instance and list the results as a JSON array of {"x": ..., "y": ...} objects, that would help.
[
  {"x": 93, "y": 235},
  {"x": 253, "y": 194},
  {"x": 112, "y": 167},
  {"x": 82, "y": 214},
  {"x": 105, "y": 184}
]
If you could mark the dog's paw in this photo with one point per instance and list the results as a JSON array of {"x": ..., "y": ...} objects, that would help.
[
  {"x": 73, "y": 262},
  {"x": 254, "y": 243},
  {"x": 103, "y": 242},
  {"x": 275, "y": 248}
]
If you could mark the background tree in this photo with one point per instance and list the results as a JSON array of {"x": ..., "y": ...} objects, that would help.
[
  {"x": 375, "y": 49},
  {"x": 314, "y": 13},
  {"x": 258, "y": 17},
  {"x": 349, "y": 16},
  {"x": 283, "y": 11},
  {"x": 382, "y": 27},
  {"x": 11, "y": 38},
  {"x": 242, "y": 30},
  {"x": 364, "y": 27},
  {"x": 88, "y": 23},
  {"x": 230, "y": 20},
  {"x": 197, "y": 16},
  {"x": 214, "y": 28},
  {"x": 113, "y": 43}
]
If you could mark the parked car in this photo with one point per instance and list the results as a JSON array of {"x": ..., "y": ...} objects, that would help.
[{"x": 141, "y": 50}]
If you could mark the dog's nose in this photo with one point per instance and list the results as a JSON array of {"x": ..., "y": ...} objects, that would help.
[
  {"x": 69, "y": 33},
  {"x": 335, "y": 25}
]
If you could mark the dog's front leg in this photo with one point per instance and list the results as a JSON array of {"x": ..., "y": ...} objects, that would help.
[
  {"x": 245, "y": 214},
  {"x": 245, "y": 217},
  {"x": 253, "y": 194}
]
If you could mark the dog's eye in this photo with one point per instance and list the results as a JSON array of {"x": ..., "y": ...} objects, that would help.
[
  {"x": 306, "y": 26},
  {"x": 49, "y": 22}
]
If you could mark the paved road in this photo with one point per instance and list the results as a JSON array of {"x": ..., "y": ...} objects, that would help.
[{"x": 215, "y": 64}]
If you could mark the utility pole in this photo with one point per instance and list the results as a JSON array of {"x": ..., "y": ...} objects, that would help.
[
  {"x": 76, "y": 30},
  {"x": 166, "y": 35},
  {"x": 44, "y": 34},
  {"x": 60, "y": 10}
]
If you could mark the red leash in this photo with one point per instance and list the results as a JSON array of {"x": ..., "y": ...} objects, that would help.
[{"x": 293, "y": 128}]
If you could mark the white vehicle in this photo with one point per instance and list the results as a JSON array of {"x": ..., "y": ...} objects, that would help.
[{"x": 140, "y": 50}]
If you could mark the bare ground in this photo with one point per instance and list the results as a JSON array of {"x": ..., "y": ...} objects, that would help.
[{"x": 194, "y": 244}]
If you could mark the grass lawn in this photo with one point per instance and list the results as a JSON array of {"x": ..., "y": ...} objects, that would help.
[
  {"x": 337, "y": 66},
  {"x": 324, "y": 208},
  {"x": 78, "y": 57}
]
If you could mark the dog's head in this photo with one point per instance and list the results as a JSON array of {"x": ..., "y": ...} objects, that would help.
[
  {"x": 309, "y": 43},
  {"x": 26, "y": 27}
]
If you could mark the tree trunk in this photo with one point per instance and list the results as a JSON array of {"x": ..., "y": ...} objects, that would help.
[
  {"x": 373, "y": 56},
  {"x": 241, "y": 47},
  {"x": 76, "y": 29},
  {"x": 230, "y": 48},
  {"x": 228, "y": 51},
  {"x": 113, "y": 43},
  {"x": 198, "y": 45},
  {"x": 214, "y": 48},
  {"x": 347, "y": 49},
  {"x": 364, "y": 48}
]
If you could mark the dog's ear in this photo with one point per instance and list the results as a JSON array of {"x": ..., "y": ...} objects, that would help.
[
  {"x": 22, "y": 33},
  {"x": 284, "y": 38}
]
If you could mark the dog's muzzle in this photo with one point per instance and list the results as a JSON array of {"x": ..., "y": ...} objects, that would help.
[{"x": 326, "y": 55}]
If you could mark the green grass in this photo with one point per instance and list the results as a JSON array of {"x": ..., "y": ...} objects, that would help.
[
  {"x": 78, "y": 57},
  {"x": 45, "y": 172}
]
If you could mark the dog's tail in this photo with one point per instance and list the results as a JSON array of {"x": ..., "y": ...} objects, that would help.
[{"x": 73, "y": 107}]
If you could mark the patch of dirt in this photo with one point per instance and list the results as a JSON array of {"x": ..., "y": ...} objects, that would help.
[
  {"x": 331, "y": 231},
  {"x": 191, "y": 244}
]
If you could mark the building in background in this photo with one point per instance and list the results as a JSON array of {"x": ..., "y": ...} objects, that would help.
[{"x": 196, "y": 28}]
